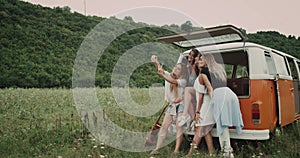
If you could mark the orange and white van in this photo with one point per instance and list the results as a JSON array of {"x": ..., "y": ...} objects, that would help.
[{"x": 266, "y": 81}]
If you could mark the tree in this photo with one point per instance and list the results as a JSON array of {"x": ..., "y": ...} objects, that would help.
[
  {"x": 128, "y": 18},
  {"x": 66, "y": 8},
  {"x": 187, "y": 26}
]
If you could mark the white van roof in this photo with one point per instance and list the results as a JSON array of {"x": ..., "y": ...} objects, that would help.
[{"x": 236, "y": 46}]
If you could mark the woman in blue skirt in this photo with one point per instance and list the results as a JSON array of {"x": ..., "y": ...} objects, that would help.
[{"x": 225, "y": 105}]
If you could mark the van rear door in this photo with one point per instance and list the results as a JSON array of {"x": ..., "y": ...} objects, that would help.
[
  {"x": 285, "y": 90},
  {"x": 204, "y": 37}
]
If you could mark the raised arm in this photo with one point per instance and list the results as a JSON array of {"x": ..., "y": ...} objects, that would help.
[
  {"x": 168, "y": 78},
  {"x": 161, "y": 71},
  {"x": 154, "y": 60}
]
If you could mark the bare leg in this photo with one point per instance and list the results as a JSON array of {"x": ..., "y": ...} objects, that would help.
[
  {"x": 189, "y": 99},
  {"x": 163, "y": 130},
  {"x": 192, "y": 106},
  {"x": 189, "y": 105},
  {"x": 209, "y": 142},
  {"x": 224, "y": 140},
  {"x": 196, "y": 140},
  {"x": 179, "y": 135}
]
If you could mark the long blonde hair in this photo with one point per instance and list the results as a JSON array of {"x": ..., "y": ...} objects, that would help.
[
  {"x": 183, "y": 75},
  {"x": 215, "y": 68}
]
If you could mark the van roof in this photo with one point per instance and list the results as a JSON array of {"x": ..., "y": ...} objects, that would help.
[
  {"x": 207, "y": 36},
  {"x": 235, "y": 46}
]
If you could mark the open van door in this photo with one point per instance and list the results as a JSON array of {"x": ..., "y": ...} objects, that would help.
[
  {"x": 285, "y": 90},
  {"x": 207, "y": 36}
]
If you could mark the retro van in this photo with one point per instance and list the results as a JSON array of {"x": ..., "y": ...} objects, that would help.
[{"x": 266, "y": 81}]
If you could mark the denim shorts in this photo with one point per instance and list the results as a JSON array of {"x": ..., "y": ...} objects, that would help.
[{"x": 179, "y": 108}]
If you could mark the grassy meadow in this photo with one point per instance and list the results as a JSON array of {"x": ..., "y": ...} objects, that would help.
[{"x": 45, "y": 123}]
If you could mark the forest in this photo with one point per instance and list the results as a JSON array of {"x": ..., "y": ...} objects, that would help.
[{"x": 38, "y": 45}]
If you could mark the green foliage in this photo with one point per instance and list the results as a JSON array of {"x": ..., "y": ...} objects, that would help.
[
  {"x": 278, "y": 41},
  {"x": 38, "y": 46},
  {"x": 187, "y": 26}
]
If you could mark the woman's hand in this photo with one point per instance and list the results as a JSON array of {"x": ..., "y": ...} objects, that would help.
[
  {"x": 177, "y": 100},
  {"x": 154, "y": 59},
  {"x": 210, "y": 93},
  {"x": 197, "y": 117}
]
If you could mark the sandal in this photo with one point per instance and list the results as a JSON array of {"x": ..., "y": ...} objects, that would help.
[{"x": 154, "y": 152}]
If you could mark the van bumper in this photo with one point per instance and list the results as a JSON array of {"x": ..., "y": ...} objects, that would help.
[{"x": 246, "y": 134}]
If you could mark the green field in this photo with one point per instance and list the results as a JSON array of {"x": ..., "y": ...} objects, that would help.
[{"x": 45, "y": 123}]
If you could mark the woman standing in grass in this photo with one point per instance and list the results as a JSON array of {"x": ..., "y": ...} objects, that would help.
[
  {"x": 204, "y": 113},
  {"x": 225, "y": 104},
  {"x": 175, "y": 83}
]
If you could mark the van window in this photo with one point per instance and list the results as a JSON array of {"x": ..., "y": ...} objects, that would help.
[
  {"x": 241, "y": 71},
  {"x": 293, "y": 68},
  {"x": 229, "y": 70},
  {"x": 281, "y": 66},
  {"x": 237, "y": 67},
  {"x": 258, "y": 67},
  {"x": 270, "y": 64}
]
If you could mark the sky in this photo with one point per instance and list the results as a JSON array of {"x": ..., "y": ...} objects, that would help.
[{"x": 251, "y": 15}]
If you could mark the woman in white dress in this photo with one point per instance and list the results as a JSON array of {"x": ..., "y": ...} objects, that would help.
[{"x": 204, "y": 113}]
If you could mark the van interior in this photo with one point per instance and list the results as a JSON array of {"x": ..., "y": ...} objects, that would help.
[{"x": 237, "y": 68}]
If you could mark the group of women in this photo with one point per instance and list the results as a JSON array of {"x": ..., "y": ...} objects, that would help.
[{"x": 197, "y": 94}]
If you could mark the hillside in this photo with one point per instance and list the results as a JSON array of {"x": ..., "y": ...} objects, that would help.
[
  {"x": 273, "y": 39},
  {"x": 38, "y": 46}
]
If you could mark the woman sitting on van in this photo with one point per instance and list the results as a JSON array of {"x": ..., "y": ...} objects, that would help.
[
  {"x": 175, "y": 83},
  {"x": 189, "y": 91}
]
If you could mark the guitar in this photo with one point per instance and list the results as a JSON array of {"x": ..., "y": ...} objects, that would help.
[{"x": 155, "y": 128}]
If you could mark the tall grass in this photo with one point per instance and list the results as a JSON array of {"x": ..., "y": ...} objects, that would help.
[{"x": 44, "y": 123}]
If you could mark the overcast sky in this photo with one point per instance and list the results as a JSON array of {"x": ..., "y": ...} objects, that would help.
[{"x": 252, "y": 15}]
